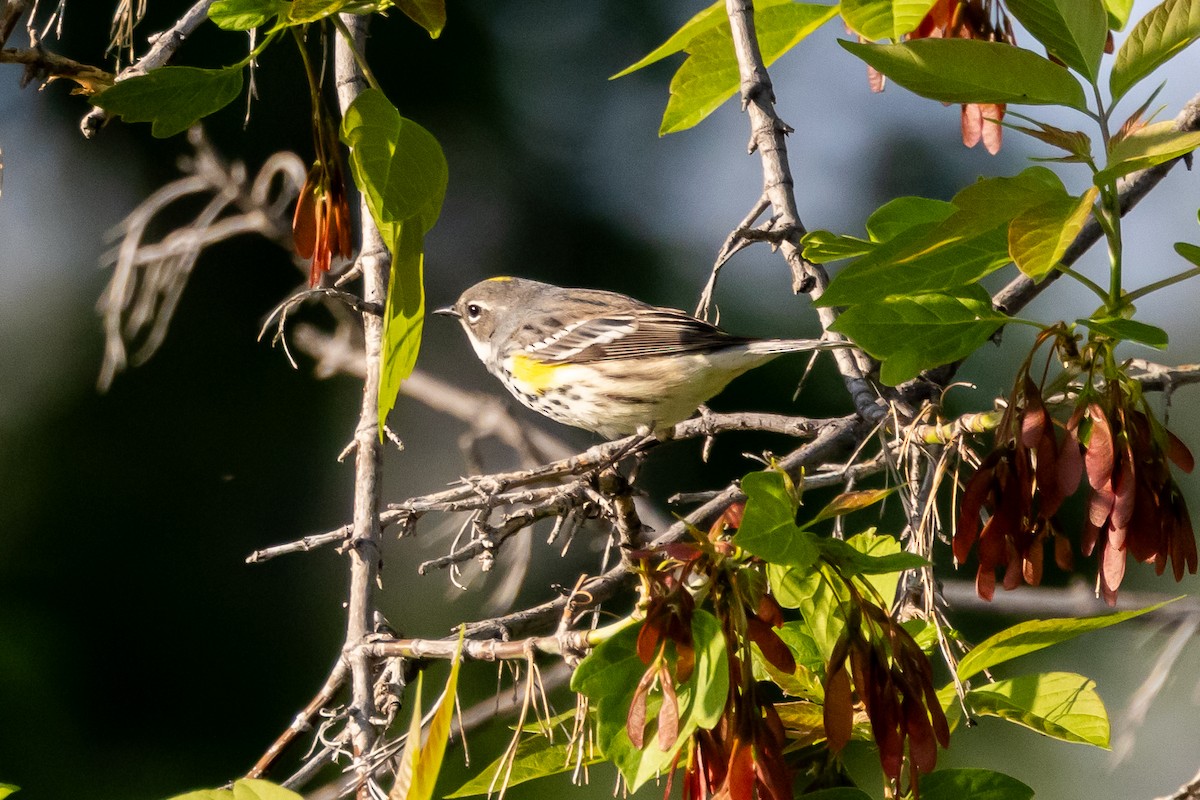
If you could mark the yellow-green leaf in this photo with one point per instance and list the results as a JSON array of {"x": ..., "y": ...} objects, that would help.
[
  {"x": 429, "y": 14},
  {"x": 1074, "y": 31},
  {"x": 1034, "y": 635},
  {"x": 1144, "y": 148},
  {"x": 1059, "y": 704},
  {"x": 1157, "y": 37},
  {"x": 884, "y": 19},
  {"x": 420, "y": 764},
  {"x": 402, "y": 173},
  {"x": 1039, "y": 237},
  {"x": 710, "y": 75}
]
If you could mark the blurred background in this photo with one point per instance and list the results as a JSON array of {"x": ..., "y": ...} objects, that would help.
[{"x": 141, "y": 657}]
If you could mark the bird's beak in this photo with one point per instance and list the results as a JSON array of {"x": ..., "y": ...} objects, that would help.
[{"x": 449, "y": 311}]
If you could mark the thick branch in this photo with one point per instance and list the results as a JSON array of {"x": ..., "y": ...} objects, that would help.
[{"x": 363, "y": 552}]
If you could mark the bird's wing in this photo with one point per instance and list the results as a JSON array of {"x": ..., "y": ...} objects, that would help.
[{"x": 640, "y": 334}]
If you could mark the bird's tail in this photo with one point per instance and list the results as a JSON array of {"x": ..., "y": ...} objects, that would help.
[{"x": 776, "y": 346}]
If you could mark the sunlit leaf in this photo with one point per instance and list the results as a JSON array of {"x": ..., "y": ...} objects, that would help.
[
  {"x": 904, "y": 213},
  {"x": 257, "y": 789},
  {"x": 769, "y": 528},
  {"x": 838, "y": 793},
  {"x": 1118, "y": 13},
  {"x": 303, "y": 11},
  {"x": 1072, "y": 30},
  {"x": 1144, "y": 148},
  {"x": 1034, "y": 635},
  {"x": 884, "y": 19},
  {"x": 1038, "y": 237},
  {"x": 242, "y": 15},
  {"x": 810, "y": 664},
  {"x": 710, "y": 75},
  {"x": 819, "y": 597},
  {"x": 1156, "y": 38},
  {"x": 1128, "y": 330},
  {"x": 6, "y": 789},
  {"x": 921, "y": 260},
  {"x": 703, "y": 21},
  {"x": 848, "y": 503},
  {"x": 821, "y": 247},
  {"x": 536, "y": 757},
  {"x": 977, "y": 784},
  {"x": 400, "y": 168},
  {"x": 426, "y": 763},
  {"x": 1059, "y": 704},
  {"x": 172, "y": 98},
  {"x": 853, "y": 562},
  {"x": 972, "y": 71},
  {"x": 878, "y": 547},
  {"x": 429, "y": 14},
  {"x": 911, "y": 334}
]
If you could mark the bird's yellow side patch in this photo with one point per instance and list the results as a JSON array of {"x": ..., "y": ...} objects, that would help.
[
  {"x": 499, "y": 279},
  {"x": 537, "y": 376}
]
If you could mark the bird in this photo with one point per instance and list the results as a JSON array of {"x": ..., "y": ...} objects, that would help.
[{"x": 603, "y": 361}]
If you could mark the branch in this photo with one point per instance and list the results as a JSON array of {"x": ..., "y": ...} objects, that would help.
[
  {"x": 767, "y": 136},
  {"x": 40, "y": 62},
  {"x": 363, "y": 552},
  {"x": 163, "y": 46}
]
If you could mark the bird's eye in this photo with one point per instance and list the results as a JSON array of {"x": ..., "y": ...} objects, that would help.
[{"x": 473, "y": 312}]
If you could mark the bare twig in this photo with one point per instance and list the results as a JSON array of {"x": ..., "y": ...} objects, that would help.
[
  {"x": 43, "y": 64},
  {"x": 162, "y": 48},
  {"x": 149, "y": 277}
]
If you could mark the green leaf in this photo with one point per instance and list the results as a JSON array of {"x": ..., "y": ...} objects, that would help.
[
  {"x": 1144, "y": 148},
  {"x": 920, "y": 261},
  {"x": 821, "y": 247},
  {"x": 400, "y": 169},
  {"x": 878, "y": 546},
  {"x": 609, "y": 676},
  {"x": 706, "y": 20},
  {"x": 904, "y": 213},
  {"x": 7, "y": 788},
  {"x": 972, "y": 71},
  {"x": 1128, "y": 330},
  {"x": 769, "y": 528},
  {"x": 1156, "y": 38},
  {"x": 911, "y": 334},
  {"x": 1059, "y": 704},
  {"x": 173, "y": 98},
  {"x": 1072, "y": 30},
  {"x": 884, "y": 19},
  {"x": 710, "y": 75},
  {"x": 1029, "y": 637},
  {"x": 244, "y": 789},
  {"x": 242, "y": 15},
  {"x": 852, "y": 562},
  {"x": 256, "y": 789},
  {"x": 536, "y": 757},
  {"x": 1118, "y": 14},
  {"x": 303, "y": 11},
  {"x": 977, "y": 784},
  {"x": 1038, "y": 237},
  {"x": 1189, "y": 251},
  {"x": 429, "y": 14},
  {"x": 821, "y": 599}
]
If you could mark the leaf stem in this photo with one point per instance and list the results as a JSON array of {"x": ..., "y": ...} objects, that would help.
[
  {"x": 1096, "y": 288},
  {"x": 1164, "y": 283}
]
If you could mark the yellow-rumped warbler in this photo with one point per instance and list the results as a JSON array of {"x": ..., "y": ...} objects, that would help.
[{"x": 603, "y": 361}]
